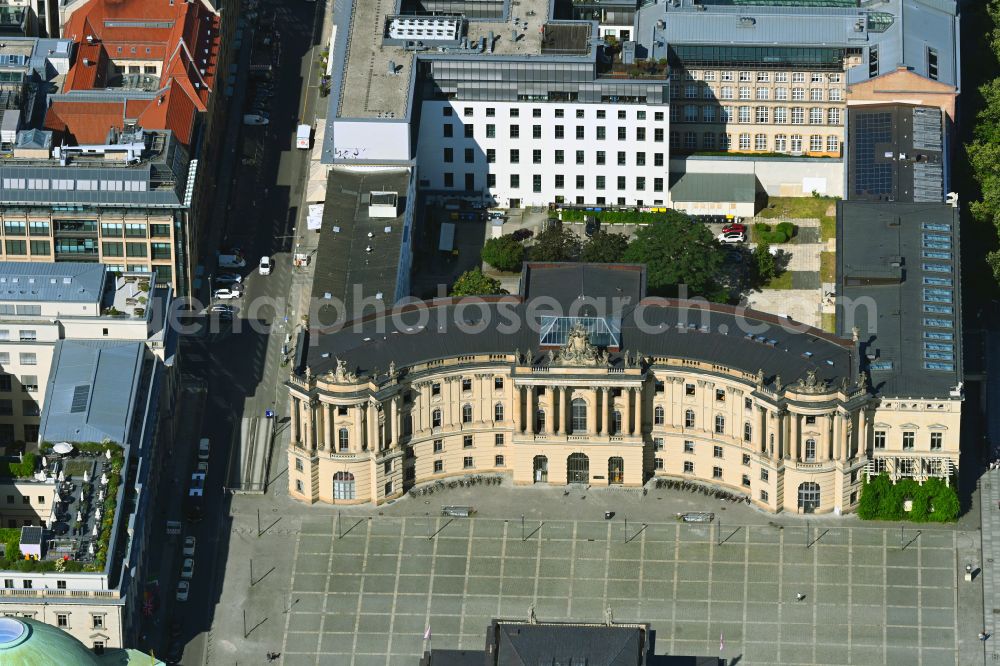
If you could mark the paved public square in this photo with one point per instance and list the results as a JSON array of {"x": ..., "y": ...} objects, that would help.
[{"x": 361, "y": 588}]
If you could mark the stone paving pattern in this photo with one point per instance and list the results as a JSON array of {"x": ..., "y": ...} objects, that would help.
[{"x": 873, "y": 595}]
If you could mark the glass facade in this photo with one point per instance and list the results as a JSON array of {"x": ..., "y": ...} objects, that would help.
[{"x": 601, "y": 331}]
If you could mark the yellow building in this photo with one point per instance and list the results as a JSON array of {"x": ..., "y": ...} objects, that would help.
[{"x": 582, "y": 379}]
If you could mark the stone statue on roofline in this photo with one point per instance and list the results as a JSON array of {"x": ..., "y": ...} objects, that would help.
[{"x": 578, "y": 349}]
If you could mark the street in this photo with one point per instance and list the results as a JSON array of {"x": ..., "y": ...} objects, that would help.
[{"x": 233, "y": 369}]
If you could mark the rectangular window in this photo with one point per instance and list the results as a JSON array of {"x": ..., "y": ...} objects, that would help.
[
  {"x": 467, "y": 441},
  {"x": 438, "y": 465},
  {"x": 688, "y": 467},
  {"x": 688, "y": 446},
  {"x": 536, "y": 183},
  {"x": 515, "y": 156},
  {"x": 599, "y": 182},
  {"x": 880, "y": 439},
  {"x": 498, "y": 439},
  {"x": 580, "y": 184},
  {"x": 438, "y": 445},
  {"x": 560, "y": 181},
  {"x": 937, "y": 439},
  {"x": 658, "y": 463},
  {"x": 559, "y": 157},
  {"x": 716, "y": 472},
  {"x": 449, "y": 179},
  {"x": 467, "y": 462},
  {"x": 28, "y": 358},
  {"x": 763, "y": 496},
  {"x": 620, "y": 182},
  {"x": 580, "y": 157},
  {"x": 764, "y": 475},
  {"x": 716, "y": 451},
  {"x": 872, "y": 61},
  {"x": 536, "y": 156},
  {"x": 908, "y": 439},
  {"x": 515, "y": 181},
  {"x": 16, "y": 247},
  {"x": 515, "y": 131},
  {"x": 27, "y": 335},
  {"x": 601, "y": 132},
  {"x": 469, "y": 131}
]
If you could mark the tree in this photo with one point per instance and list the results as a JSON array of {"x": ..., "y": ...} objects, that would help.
[
  {"x": 678, "y": 251},
  {"x": 474, "y": 283},
  {"x": 604, "y": 248},
  {"x": 764, "y": 261},
  {"x": 557, "y": 243},
  {"x": 503, "y": 253}
]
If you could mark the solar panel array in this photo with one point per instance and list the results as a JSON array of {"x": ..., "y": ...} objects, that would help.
[
  {"x": 938, "y": 296},
  {"x": 871, "y": 176}
]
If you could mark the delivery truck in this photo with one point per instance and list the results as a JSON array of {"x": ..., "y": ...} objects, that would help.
[{"x": 302, "y": 136}]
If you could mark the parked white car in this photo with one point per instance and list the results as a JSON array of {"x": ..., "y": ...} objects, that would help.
[
  {"x": 183, "y": 588},
  {"x": 227, "y": 293},
  {"x": 187, "y": 569},
  {"x": 189, "y": 543},
  {"x": 264, "y": 268},
  {"x": 732, "y": 237}
]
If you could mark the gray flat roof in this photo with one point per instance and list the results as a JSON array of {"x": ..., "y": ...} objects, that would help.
[
  {"x": 898, "y": 282},
  {"x": 713, "y": 333},
  {"x": 343, "y": 262},
  {"x": 91, "y": 392},
  {"x": 370, "y": 91},
  {"x": 896, "y": 153},
  {"x": 719, "y": 187},
  {"x": 71, "y": 282},
  {"x": 571, "y": 282},
  {"x": 902, "y": 30}
]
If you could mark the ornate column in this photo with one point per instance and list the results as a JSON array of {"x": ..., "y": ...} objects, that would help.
[
  {"x": 532, "y": 407},
  {"x": 838, "y": 429},
  {"x": 592, "y": 413},
  {"x": 516, "y": 406},
  {"x": 358, "y": 440},
  {"x": 296, "y": 415},
  {"x": 393, "y": 430},
  {"x": 797, "y": 437},
  {"x": 762, "y": 428},
  {"x": 309, "y": 442},
  {"x": 327, "y": 425},
  {"x": 550, "y": 422},
  {"x": 637, "y": 411},
  {"x": 605, "y": 411},
  {"x": 785, "y": 434},
  {"x": 863, "y": 436},
  {"x": 562, "y": 401}
]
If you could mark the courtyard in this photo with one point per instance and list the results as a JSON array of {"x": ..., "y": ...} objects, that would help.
[{"x": 362, "y": 587}]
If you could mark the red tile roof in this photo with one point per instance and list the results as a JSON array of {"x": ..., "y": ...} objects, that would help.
[{"x": 182, "y": 36}]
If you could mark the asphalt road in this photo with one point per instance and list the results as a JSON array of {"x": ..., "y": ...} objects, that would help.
[{"x": 237, "y": 363}]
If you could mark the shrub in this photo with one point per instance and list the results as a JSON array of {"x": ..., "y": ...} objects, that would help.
[
  {"x": 933, "y": 501},
  {"x": 522, "y": 234},
  {"x": 503, "y": 253},
  {"x": 786, "y": 228},
  {"x": 24, "y": 468}
]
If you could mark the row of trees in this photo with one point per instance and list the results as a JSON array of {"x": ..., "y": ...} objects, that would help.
[
  {"x": 984, "y": 149},
  {"x": 676, "y": 251}
]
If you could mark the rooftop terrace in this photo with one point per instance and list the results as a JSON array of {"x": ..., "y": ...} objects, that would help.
[{"x": 376, "y": 82}]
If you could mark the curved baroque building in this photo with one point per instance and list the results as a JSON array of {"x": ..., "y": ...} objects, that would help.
[{"x": 582, "y": 379}]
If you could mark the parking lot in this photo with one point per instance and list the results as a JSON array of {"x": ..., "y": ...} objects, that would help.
[{"x": 362, "y": 589}]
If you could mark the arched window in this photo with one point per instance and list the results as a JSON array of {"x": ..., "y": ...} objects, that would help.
[
  {"x": 720, "y": 424},
  {"x": 688, "y": 418},
  {"x": 436, "y": 418},
  {"x": 466, "y": 413},
  {"x": 616, "y": 422},
  {"x": 616, "y": 470},
  {"x": 658, "y": 415},
  {"x": 809, "y": 497},
  {"x": 343, "y": 439},
  {"x": 810, "y": 450},
  {"x": 498, "y": 412},
  {"x": 579, "y": 415},
  {"x": 343, "y": 486},
  {"x": 747, "y": 432}
]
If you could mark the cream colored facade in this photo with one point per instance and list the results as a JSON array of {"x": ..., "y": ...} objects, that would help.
[
  {"x": 758, "y": 111},
  {"x": 799, "y": 448},
  {"x": 92, "y": 613}
]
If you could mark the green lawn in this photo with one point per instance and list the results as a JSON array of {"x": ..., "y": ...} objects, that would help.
[
  {"x": 828, "y": 266},
  {"x": 783, "y": 281},
  {"x": 829, "y": 322},
  {"x": 814, "y": 208}
]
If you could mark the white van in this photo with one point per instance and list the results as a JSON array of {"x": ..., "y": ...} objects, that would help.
[{"x": 203, "y": 447}]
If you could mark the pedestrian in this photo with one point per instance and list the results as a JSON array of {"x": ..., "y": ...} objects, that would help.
[
  {"x": 982, "y": 636},
  {"x": 799, "y": 596}
]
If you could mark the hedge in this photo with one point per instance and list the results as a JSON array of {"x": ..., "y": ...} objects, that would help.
[
  {"x": 612, "y": 216},
  {"x": 781, "y": 233},
  {"x": 23, "y": 469},
  {"x": 932, "y": 501}
]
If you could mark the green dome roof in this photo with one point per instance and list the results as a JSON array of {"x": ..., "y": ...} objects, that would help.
[{"x": 25, "y": 642}]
